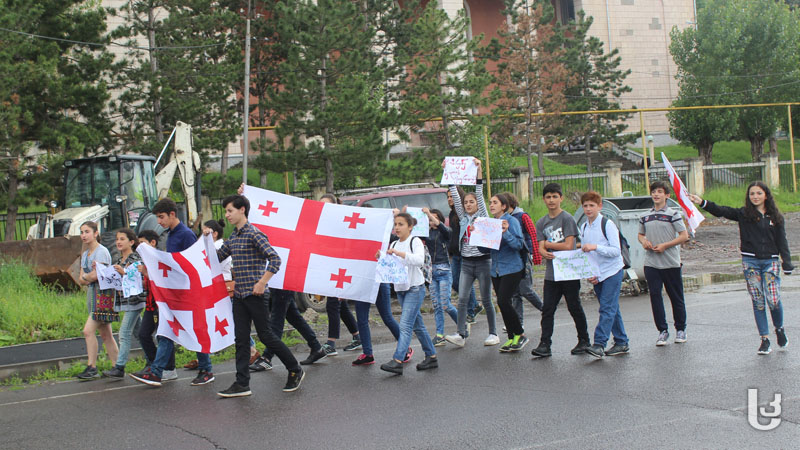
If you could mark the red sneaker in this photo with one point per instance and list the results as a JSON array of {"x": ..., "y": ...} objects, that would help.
[{"x": 364, "y": 360}]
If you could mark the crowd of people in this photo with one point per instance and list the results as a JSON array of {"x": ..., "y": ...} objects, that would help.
[{"x": 249, "y": 262}]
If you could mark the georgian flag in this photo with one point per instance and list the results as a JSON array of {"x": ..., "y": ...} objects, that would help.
[
  {"x": 693, "y": 216},
  {"x": 194, "y": 309},
  {"x": 325, "y": 249}
]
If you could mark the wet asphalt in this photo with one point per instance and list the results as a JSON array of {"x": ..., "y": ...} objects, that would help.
[{"x": 691, "y": 395}]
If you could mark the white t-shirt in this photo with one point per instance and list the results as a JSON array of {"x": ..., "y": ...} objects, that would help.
[
  {"x": 225, "y": 265},
  {"x": 414, "y": 259}
]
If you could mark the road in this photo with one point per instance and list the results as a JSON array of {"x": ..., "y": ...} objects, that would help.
[{"x": 689, "y": 395}]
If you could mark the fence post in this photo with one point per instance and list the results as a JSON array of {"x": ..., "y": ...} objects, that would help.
[
  {"x": 523, "y": 179},
  {"x": 613, "y": 178},
  {"x": 317, "y": 189},
  {"x": 771, "y": 170},
  {"x": 695, "y": 178}
]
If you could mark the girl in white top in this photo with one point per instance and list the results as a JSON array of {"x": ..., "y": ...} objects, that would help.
[{"x": 412, "y": 251}]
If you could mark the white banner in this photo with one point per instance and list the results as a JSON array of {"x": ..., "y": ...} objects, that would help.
[
  {"x": 460, "y": 170},
  {"x": 487, "y": 232}
]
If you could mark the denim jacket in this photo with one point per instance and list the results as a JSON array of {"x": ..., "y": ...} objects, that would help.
[{"x": 507, "y": 259}]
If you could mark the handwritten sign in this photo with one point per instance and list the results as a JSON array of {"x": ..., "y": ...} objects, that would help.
[
  {"x": 460, "y": 170},
  {"x": 132, "y": 281},
  {"x": 573, "y": 265},
  {"x": 487, "y": 232},
  {"x": 108, "y": 278},
  {"x": 391, "y": 269},
  {"x": 423, "y": 227}
]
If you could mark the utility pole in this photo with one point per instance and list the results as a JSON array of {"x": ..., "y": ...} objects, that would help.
[{"x": 246, "y": 115}]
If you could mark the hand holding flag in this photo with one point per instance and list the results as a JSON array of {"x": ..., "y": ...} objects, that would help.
[{"x": 693, "y": 216}]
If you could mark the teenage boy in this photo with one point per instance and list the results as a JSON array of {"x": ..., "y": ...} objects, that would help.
[
  {"x": 600, "y": 237},
  {"x": 661, "y": 232},
  {"x": 254, "y": 264},
  {"x": 179, "y": 238},
  {"x": 556, "y": 231}
]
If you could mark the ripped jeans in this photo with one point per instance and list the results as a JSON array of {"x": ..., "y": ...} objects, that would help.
[{"x": 764, "y": 285}]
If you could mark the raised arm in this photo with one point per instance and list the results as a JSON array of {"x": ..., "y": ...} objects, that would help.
[{"x": 717, "y": 210}]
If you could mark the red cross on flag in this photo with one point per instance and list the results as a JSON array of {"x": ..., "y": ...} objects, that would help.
[
  {"x": 325, "y": 249},
  {"x": 194, "y": 309}
]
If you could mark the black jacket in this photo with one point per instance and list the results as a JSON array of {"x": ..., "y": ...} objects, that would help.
[
  {"x": 761, "y": 239},
  {"x": 438, "y": 243},
  {"x": 454, "y": 247}
]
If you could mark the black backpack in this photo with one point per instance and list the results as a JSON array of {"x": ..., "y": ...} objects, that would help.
[{"x": 624, "y": 247}]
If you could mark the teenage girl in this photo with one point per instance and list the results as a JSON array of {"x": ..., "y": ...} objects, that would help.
[{"x": 442, "y": 277}]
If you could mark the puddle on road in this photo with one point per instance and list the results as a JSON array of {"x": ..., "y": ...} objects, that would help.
[{"x": 695, "y": 282}]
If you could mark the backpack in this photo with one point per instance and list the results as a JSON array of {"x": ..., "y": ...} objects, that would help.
[
  {"x": 527, "y": 249},
  {"x": 624, "y": 247},
  {"x": 427, "y": 265}
]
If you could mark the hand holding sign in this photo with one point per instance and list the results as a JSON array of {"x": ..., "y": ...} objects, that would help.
[
  {"x": 132, "y": 281},
  {"x": 460, "y": 170},
  {"x": 108, "y": 278},
  {"x": 391, "y": 269},
  {"x": 422, "y": 228},
  {"x": 573, "y": 265},
  {"x": 486, "y": 232}
]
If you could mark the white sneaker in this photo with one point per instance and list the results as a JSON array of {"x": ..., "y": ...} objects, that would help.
[
  {"x": 169, "y": 375},
  {"x": 492, "y": 340},
  {"x": 455, "y": 339}
]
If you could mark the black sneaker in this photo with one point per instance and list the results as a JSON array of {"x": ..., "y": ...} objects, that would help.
[
  {"x": 294, "y": 380},
  {"x": 89, "y": 373},
  {"x": 393, "y": 367},
  {"x": 364, "y": 360},
  {"x": 581, "y": 347},
  {"x": 596, "y": 350},
  {"x": 438, "y": 341},
  {"x": 329, "y": 349},
  {"x": 782, "y": 341},
  {"x": 236, "y": 390},
  {"x": 203, "y": 377},
  {"x": 542, "y": 351},
  {"x": 618, "y": 349},
  {"x": 478, "y": 309},
  {"x": 429, "y": 362},
  {"x": 147, "y": 377},
  {"x": 355, "y": 344},
  {"x": 260, "y": 365},
  {"x": 521, "y": 343},
  {"x": 765, "y": 348},
  {"x": 470, "y": 319},
  {"x": 314, "y": 357},
  {"x": 116, "y": 373}
]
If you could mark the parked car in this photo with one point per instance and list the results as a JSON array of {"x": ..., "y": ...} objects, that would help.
[{"x": 433, "y": 198}]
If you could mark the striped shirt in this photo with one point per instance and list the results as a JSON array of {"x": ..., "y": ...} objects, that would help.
[
  {"x": 251, "y": 253},
  {"x": 465, "y": 219}
]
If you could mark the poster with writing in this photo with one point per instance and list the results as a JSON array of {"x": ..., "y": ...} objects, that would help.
[
  {"x": 460, "y": 170},
  {"x": 573, "y": 265},
  {"x": 132, "y": 281},
  {"x": 487, "y": 232},
  {"x": 391, "y": 269},
  {"x": 108, "y": 278},
  {"x": 423, "y": 228}
]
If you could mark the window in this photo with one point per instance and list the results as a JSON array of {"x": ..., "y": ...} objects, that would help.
[
  {"x": 565, "y": 9},
  {"x": 381, "y": 202}
]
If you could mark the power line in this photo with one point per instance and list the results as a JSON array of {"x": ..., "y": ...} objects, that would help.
[{"x": 98, "y": 44}]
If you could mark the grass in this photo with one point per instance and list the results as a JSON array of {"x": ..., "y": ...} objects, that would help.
[
  {"x": 786, "y": 201},
  {"x": 728, "y": 152},
  {"x": 551, "y": 167}
]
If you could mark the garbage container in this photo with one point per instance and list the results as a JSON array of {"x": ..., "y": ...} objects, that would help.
[{"x": 625, "y": 212}]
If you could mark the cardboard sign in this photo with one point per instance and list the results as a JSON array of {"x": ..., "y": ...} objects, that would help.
[
  {"x": 573, "y": 265},
  {"x": 487, "y": 232},
  {"x": 460, "y": 170},
  {"x": 108, "y": 278},
  {"x": 423, "y": 227}
]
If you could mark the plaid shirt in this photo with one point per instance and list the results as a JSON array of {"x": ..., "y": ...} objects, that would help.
[{"x": 250, "y": 251}]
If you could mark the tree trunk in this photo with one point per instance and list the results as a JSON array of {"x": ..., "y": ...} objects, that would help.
[
  {"x": 263, "y": 178},
  {"x": 11, "y": 215},
  {"x": 773, "y": 146},
  {"x": 529, "y": 152},
  {"x": 704, "y": 151},
  {"x": 326, "y": 135},
  {"x": 223, "y": 164},
  {"x": 588, "y": 150},
  {"x": 157, "y": 113},
  {"x": 756, "y": 148},
  {"x": 328, "y": 175}
]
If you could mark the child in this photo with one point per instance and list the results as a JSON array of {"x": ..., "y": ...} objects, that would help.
[
  {"x": 438, "y": 237},
  {"x": 556, "y": 231},
  {"x": 410, "y": 296},
  {"x": 100, "y": 303},
  {"x": 762, "y": 240},
  {"x": 601, "y": 237},
  {"x": 661, "y": 232},
  {"x": 530, "y": 256}
]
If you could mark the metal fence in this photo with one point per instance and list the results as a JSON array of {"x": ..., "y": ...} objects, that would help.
[
  {"x": 634, "y": 180},
  {"x": 737, "y": 175},
  {"x": 786, "y": 176},
  {"x": 23, "y": 223},
  {"x": 571, "y": 183}
]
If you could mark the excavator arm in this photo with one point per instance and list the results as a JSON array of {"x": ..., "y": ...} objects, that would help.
[{"x": 186, "y": 162}]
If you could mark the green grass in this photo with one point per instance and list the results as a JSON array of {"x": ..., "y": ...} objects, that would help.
[
  {"x": 551, "y": 167},
  {"x": 725, "y": 152},
  {"x": 786, "y": 201}
]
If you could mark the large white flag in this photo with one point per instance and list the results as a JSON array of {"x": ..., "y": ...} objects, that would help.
[
  {"x": 693, "y": 216},
  {"x": 325, "y": 249},
  {"x": 194, "y": 309}
]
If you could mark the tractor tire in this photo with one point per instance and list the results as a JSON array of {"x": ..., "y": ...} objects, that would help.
[{"x": 108, "y": 240}]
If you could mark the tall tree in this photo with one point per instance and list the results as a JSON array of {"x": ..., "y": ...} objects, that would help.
[
  {"x": 531, "y": 79},
  {"x": 52, "y": 87},
  {"x": 599, "y": 82}
]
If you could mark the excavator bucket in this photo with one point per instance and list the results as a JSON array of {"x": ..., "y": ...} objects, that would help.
[{"x": 55, "y": 261}]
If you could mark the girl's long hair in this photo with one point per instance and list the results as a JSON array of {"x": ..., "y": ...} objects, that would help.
[{"x": 750, "y": 211}]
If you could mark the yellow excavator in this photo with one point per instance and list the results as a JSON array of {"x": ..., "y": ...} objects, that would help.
[{"x": 115, "y": 191}]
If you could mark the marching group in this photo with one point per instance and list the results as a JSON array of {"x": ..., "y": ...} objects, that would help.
[{"x": 451, "y": 262}]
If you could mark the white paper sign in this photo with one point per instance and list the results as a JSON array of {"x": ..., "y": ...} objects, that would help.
[
  {"x": 108, "y": 278},
  {"x": 573, "y": 265},
  {"x": 132, "y": 281},
  {"x": 460, "y": 170},
  {"x": 487, "y": 232},
  {"x": 390, "y": 269},
  {"x": 423, "y": 226}
]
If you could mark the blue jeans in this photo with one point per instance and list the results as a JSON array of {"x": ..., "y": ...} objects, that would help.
[
  {"x": 165, "y": 348},
  {"x": 764, "y": 285},
  {"x": 440, "y": 296},
  {"x": 411, "y": 319},
  {"x": 130, "y": 321},
  {"x": 384, "y": 305},
  {"x": 455, "y": 271},
  {"x": 610, "y": 321}
]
